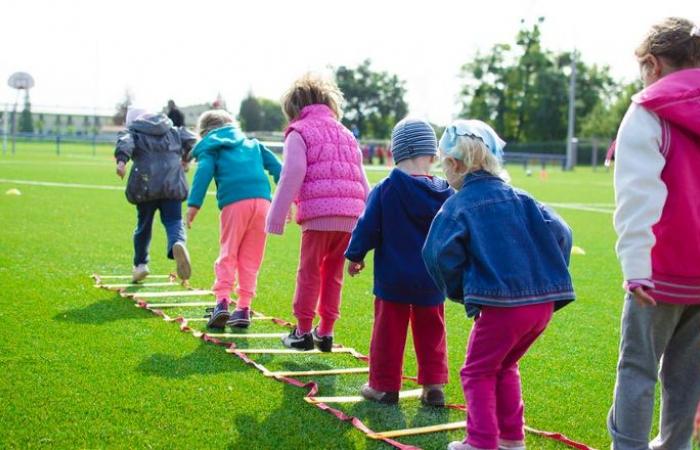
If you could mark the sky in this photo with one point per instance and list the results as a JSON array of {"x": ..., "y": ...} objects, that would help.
[{"x": 84, "y": 55}]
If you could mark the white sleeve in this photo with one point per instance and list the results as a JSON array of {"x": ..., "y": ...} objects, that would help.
[{"x": 640, "y": 194}]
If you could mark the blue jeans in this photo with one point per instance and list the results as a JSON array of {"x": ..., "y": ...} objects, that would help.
[{"x": 170, "y": 216}]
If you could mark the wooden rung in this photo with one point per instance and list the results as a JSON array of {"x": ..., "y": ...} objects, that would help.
[
  {"x": 308, "y": 373},
  {"x": 414, "y": 393},
  {"x": 127, "y": 277},
  {"x": 206, "y": 319},
  {"x": 420, "y": 430},
  {"x": 180, "y": 305},
  {"x": 243, "y": 335},
  {"x": 286, "y": 351},
  {"x": 128, "y": 285},
  {"x": 189, "y": 293}
]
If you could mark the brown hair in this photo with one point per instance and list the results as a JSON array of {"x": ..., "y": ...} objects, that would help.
[
  {"x": 674, "y": 39},
  {"x": 312, "y": 89},
  {"x": 213, "y": 119}
]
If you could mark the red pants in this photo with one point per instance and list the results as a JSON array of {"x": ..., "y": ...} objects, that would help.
[
  {"x": 320, "y": 279},
  {"x": 389, "y": 340}
]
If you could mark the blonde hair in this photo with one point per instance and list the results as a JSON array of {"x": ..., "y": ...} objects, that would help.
[
  {"x": 674, "y": 39},
  {"x": 213, "y": 119},
  {"x": 475, "y": 155},
  {"x": 312, "y": 89}
]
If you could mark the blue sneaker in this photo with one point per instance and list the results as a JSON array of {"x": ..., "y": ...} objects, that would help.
[
  {"x": 218, "y": 316},
  {"x": 240, "y": 318}
]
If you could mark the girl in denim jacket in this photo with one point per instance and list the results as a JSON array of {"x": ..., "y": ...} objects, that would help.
[{"x": 505, "y": 257}]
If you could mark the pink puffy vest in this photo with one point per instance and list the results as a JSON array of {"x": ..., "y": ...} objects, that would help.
[{"x": 333, "y": 184}]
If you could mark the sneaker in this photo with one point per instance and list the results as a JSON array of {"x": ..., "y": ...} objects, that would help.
[
  {"x": 139, "y": 273},
  {"x": 218, "y": 316},
  {"x": 240, "y": 318},
  {"x": 388, "y": 398},
  {"x": 303, "y": 342},
  {"x": 459, "y": 445},
  {"x": 182, "y": 259},
  {"x": 433, "y": 396},
  {"x": 323, "y": 343},
  {"x": 504, "y": 444}
]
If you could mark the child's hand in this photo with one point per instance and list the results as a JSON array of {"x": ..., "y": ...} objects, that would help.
[
  {"x": 354, "y": 268},
  {"x": 121, "y": 169},
  {"x": 290, "y": 215},
  {"x": 642, "y": 298},
  {"x": 191, "y": 214}
]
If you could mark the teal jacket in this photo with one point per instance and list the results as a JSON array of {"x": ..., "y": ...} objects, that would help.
[{"x": 237, "y": 165}]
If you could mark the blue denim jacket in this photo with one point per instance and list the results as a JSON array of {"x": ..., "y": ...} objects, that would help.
[{"x": 494, "y": 245}]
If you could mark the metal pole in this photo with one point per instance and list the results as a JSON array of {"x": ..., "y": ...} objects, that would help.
[
  {"x": 594, "y": 154},
  {"x": 570, "y": 161},
  {"x": 14, "y": 123},
  {"x": 5, "y": 120}
]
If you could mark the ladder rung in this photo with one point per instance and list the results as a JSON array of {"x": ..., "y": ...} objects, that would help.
[
  {"x": 414, "y": 393},
  {"x": 308, "y": 373},
  {"x": 190, "y": 293},
  {"x": 419, "y": 430}
]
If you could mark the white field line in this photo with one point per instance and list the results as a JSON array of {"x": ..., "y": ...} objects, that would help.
[
  {"x": 103, "y": 187},
  {"x": 582, "y": 207}
]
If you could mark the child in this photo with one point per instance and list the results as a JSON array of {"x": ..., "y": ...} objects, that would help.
[
  {"x": 658, "y": 225},
  {"x": 395, "y": 223},
  {"x": 160, "y": 153},
  {"x": 504, "y": 256},
  {"x": 238, "y": 166},
  {"x": 323, "y": 174}
]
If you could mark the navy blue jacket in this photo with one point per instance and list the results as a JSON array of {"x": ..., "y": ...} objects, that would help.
[
  {"x": 395, "y": 223},
  {"x": 492, "y": 244}
]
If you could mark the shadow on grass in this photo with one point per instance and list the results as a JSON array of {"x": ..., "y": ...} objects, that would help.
[
  {"x": 104, "y": 311},
  {"x": 207, "y": 359}
]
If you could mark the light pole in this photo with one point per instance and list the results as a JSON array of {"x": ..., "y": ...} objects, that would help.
[
  {"x": 570, "y": 139},
  {"x": 20, "y": 81}
]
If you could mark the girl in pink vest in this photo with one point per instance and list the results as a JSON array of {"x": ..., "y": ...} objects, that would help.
[
  {"x": 657, "y": 220},
  {"x": 323, "y": 175}
]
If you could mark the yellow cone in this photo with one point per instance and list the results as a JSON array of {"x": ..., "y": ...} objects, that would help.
[
  {"x": 576, "y": 250},
  {"x": 13, "y": 191}
]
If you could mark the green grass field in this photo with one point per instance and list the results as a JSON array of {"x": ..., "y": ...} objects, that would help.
[{"x": 82, "y": 367}]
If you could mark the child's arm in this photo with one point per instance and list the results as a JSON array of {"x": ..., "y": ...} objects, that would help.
[
  {"x": 206, "y": 164},
  {"x": 445, "y": 255},
  {"x": 270, "y": 162},
  {"x": 188, "y": 140},
  {"x": 560, "y": 229},
  {"x": 640, "y": 194},
  {"x": 291, "y": 179},
  {"x": 367, "y": 234},
  {"x": 123, "y": 151}
]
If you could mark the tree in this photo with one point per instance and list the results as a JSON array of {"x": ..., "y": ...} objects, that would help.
[
  {"x": 26, "y": 124},
  {"x": 119, "y": 117},
  {"x": 250, "y": 113},
  {"x": 604, "y": 119},
  {"x": 39, "y": 124},
  {"x": 374, "y": 101},
  {"x": 273, "y": 118},
  {"x": 523, "y": 89}
]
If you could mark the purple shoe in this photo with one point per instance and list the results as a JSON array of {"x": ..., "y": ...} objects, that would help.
[
  {"x": 240, "y": 318},
  {"x": 218, "y": 316}
]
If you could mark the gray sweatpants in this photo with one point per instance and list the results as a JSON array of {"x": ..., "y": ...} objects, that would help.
[{"x": 648, "y": 334}]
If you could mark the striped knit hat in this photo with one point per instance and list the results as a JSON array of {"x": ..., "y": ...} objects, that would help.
[{"x": 413, "y": 137}]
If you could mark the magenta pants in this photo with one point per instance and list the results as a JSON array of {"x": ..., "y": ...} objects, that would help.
[
  {"x": 320, "y": 279},
  {"x": 490, "y": 376},
  {"x": 242, "y": 247}
]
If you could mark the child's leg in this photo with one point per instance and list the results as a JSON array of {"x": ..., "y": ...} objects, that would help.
[
  {"x": 680, "y": 393},
  {"x": 495, "y": 333},
  {"x": 251, "y": 252},
  {"x": 387, "y": 346},
  {"x": 143, "y": 231},
  {"x": 509, "y": 400},
  {"x": 231, "y": 226},
  {"x": 645, "y": 333},
  {"x": 430, "y": 343},
  {"x": 332, "y": 281},
  {"x": 171, "y": 217},
  {"x": 313, "y": 244}
]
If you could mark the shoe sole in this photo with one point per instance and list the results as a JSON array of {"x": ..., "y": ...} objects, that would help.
[
  {"x": 322, "y": 346},
  {"x": 305, "y": 348},
  {"x": 238, "y": 323},
  {"x": 140, "y": 277},
  {"x": 387, "y": 399},
  {"x": 438, "y": 403},
  {"x": 182, "y": 258},
  {"x": 219, "y": 321}
]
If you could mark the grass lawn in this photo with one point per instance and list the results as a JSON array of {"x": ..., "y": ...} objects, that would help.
[{"x": 82, "y": 367}]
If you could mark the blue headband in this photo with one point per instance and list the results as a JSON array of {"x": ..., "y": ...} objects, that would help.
[{"x": 474, "y": 129}]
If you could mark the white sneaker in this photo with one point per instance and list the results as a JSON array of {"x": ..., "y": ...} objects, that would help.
[
  {"x": 511, "y": 445},
  {"x": 139, "y": 273},
  {"x": 459, "y": 445},
  {"x": 182, "y": 258}
]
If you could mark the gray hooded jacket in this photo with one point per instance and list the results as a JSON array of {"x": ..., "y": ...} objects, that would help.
[{"x": 157, "y": 150}]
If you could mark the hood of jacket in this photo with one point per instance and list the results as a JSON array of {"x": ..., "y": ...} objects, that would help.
[
  {"x": 226, "y": 137},
  {"x": 421, "y": 196},
  {"x": 152, "y": 124}
]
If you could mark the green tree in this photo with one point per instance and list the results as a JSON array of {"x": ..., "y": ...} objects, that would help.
[
  {"x": 250, "y": 114},
  {"x": 26, "y": 124},
  {"x": 374, "y": 101},
  {"x": 605, "y": 118},
  {"x": 39, "y": 124},
  {"x": 119, "y": 117},
  {"x": 272, "y": 116}
]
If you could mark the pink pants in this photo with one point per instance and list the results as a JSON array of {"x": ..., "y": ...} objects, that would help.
[
  {"x": 242, "y": 247},
  {"x": 389, "y": 340},
  {"x": 320, "y": 279},
  {"x": 490, "y": 376}
]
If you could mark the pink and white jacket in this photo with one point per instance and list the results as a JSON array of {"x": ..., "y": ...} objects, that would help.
[
  {"x": 657, "y": 188},
  {"x": 322, "y": 174}
]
